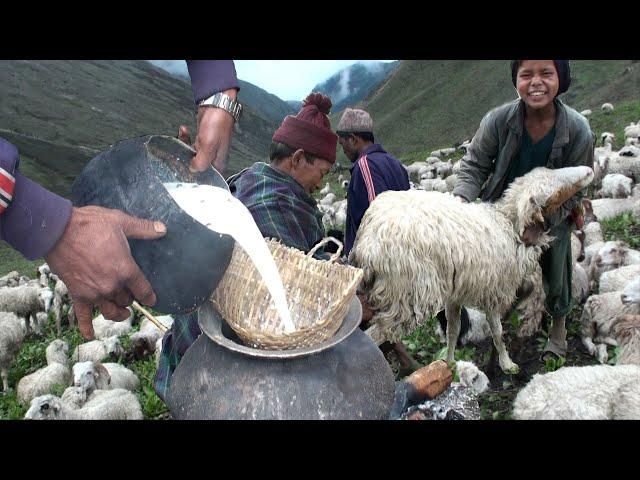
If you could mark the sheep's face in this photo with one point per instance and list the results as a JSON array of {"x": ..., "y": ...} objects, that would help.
[
  {"x": 45, "y": 296},
  {"x": 612, "y": 255},
  {"x": 631, "y": 292},
  {"x": 626, "y": 326},
  {"x": 541, "y": 192},
  {"x": 44, "y": 407},
  {"x": 114, "y": 348}
]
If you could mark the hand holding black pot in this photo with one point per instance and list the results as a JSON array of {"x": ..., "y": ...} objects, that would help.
[{"x": 94, "y": 260}]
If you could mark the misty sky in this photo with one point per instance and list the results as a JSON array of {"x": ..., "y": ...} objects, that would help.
[{"x": 288, "y": 79}]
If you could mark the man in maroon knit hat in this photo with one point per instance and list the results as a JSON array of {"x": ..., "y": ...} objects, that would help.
[{"x": 278, "y": 194}]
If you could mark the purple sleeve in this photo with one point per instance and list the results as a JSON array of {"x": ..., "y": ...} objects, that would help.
[
  {"x": 211, "y": 76},
  {"x": 36, "y": 217}
]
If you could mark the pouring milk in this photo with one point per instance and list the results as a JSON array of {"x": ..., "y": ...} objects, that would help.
[{"x": 221, "y": 212}]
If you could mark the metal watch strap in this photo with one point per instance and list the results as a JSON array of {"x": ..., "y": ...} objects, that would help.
[{"x": 225, "y": 102}]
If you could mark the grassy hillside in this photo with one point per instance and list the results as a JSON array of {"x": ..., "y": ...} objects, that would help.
[
  {"x": 61, "y": 113},
  {"x": 426, "y": 105}
]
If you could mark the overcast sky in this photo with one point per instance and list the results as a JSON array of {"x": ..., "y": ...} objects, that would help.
[{"x": 288, "y": 79}]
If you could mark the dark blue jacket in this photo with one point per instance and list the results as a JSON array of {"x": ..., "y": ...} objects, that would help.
[{"x": 373, "y": 173}]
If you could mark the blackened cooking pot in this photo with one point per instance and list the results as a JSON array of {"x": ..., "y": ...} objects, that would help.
[
  {"x": 349, "y": 379},
  {"x": 186, "y": 265}
]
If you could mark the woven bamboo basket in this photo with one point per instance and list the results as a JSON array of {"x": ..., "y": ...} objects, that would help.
[{"x": 318, "y": 294}]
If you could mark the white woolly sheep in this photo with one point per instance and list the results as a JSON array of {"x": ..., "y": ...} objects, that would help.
[
  {"x": 608, "y": 208},
  {"x": 600, "y": 392},
  {"x": 447, "y": 151},
  {"x": 626, "y": 329},
  {"x": 607, "y": 107},
  {"x": 586, "y": 113},
  {"x": 436, "y": 153},
  {"x": 592, "y": 234},
  {"x": 598, "y": 314},
  {"x": 121, "y": 377},
  {"x": 479, "y": 329},
  {"x": 118, "y": 404},
  {"x": 632, "y": 141},
  {"x": 631, "y": 292},
  {"x": 425, "y": 251},
  {"x": 60, "y": 297},
  {"x": 444, "y": 169},
  {"x": 616, "y": 280},
  {"x": 144, "y": 341},
  {"x": 471, "y": 376},
  {"x": 42, "y": 381},
  {"x": 432, "y": 160},
  {"x": 91, "y": 376},
  {"x": 328, "y": 199},
  {"x": 57, "y": 351},
  {"x": 579, "y": 283},
  {"x": 615, "y": 185},
  {"x": 104, "y": 328},
  {"x": 613, "y": 255},
  {"x": 326, "y": 189},
  {"x": 10, "y": 279},
  {"x": 12, "y": 332},
  {"x": 451, "y": 182},
  {"x": 626, "y": 165},
  {"x": 607, "y": 138},
  {"x": 436, "y": 185},
  {"x": 632, "y": 130},
  {"x": 345, "y": 184},
  {"x": 97, "y": 350},
  {"x": 25, "y": 301},
  {"x": 74, "y": 397}
]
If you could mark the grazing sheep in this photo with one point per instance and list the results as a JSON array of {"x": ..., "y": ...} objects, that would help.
[
  {"x": 451, "y": 182},
  {"x": 579, "y": 283},
  {"x": 632, "y": 141},
  {"x": 607, "y": 138},
  {"x": 436, "y": 185},
  {"x": 328, "y": 199},
  {"x": 57, "y": 351},
  {"x": 38, "y": 324},
  {"x": 613, "y": 255},
  {"x": 10, "y": 279},
  {"x": 607, "y": 107},
  {"x": 91, "y": 376},
  {"x": 74, "y": 397},
  {"x": 12, "y": 332},
  {"x": 42, "y": 381},
  {"x": 104, "y": 328},
  {"x": 25, "y": 301},
  {"x": 326, "y": 189},
  {"x": 586, "y": 113},
  {"x": 444, "y": 169},
  {"x": 593, "y": 233},
  {"x": 631, "y": 292},
  {"x": 345, "y": 184},
  {"x": 600, "y": 392},
  {"x": 598, "y": 314},
  {"x": 432, "y": 160},
  {"x": 425, "y": 251},
  {"x": 471, "y": 376},
  {"x": 626, "y": 329},
  {"x": 616, "y": 280},
  {"x": 626, "y": 165},
  {"x": 447, "y": 151},
  {"x": 60, "y": 297},
  {"x": 436, "y": 153},
  {"x": 632, "y": 130},
  {"x": 97, "y": 350},
  {"x": 615, "y": 185},
  {"x": 118, "y": 404},
  {"x": 608, "y": 208},
  {"x": 144, "y": 341},
  {"x": 121, "y": 377}
]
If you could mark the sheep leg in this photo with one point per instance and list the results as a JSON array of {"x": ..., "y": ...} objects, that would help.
[
  {"x": 589, "y": 345},
  {"x": 607, "y": 340},
  {"x": 602, "y": 354},
  {"x": 5, "y": 379},
  {"x": 452, "y": 312},
  {"x": 506, "y": 364}
]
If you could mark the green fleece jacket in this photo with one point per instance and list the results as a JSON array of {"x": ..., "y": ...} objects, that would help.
[{"x": 484, "y": 169}]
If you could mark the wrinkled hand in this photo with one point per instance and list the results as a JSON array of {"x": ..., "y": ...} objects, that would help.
[
  {"x": 93, "y": 259},
  {"x": 213, "y": 140}
]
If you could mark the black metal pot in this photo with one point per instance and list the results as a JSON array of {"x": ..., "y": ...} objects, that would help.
[
  {"x": 186, "y": 265},
  {"x": 345, "y": 378}
]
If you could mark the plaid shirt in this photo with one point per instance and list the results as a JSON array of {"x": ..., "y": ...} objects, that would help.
[{"x": 282, "y": 209}]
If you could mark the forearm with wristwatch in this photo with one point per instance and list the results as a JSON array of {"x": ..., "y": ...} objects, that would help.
[{"x": 215, "y": 84}]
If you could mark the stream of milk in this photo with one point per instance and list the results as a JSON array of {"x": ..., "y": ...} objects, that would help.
[{"x": 221, "y": 212}]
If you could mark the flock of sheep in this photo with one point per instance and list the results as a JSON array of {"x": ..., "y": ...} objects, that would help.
[
  {"x": 95, "y": 389},
  {"x": 606, "y": 283}
]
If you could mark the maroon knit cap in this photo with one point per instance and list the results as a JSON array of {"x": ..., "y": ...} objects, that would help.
[{"x": 310, "y": 129}]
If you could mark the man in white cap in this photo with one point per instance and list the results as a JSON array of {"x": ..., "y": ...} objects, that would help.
[{"x": 373, "y": 170}]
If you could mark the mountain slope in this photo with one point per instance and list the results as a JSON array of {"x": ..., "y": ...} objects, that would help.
[
  {"x": 352, "y": 84},
  {"x": 62, "y": 113},
  {"x": 425, "y": 105}
]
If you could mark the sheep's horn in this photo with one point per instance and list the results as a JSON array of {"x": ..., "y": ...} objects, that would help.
[{"x": 573, "y": 179}]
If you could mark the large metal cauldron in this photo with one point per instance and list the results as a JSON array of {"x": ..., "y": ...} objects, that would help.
[
  {"x": 186, "y": 265},
  {"x": 347, "y": 377}
]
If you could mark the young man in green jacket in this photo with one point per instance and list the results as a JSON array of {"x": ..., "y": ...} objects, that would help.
[{"x": 536, "y": 130}]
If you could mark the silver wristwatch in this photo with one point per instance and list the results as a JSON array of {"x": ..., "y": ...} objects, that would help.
[{"x": 225, "y": 102}]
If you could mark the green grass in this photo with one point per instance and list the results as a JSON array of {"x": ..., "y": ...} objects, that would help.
[
  {"x": 11, "y": 259},
  {"x": 624, "y": 227},
  {"x": 32, "y": 357}
]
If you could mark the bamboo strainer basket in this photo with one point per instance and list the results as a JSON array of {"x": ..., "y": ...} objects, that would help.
[{"x": 318, "y": 294}]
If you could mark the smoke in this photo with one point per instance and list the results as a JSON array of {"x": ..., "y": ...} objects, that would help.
[
  {"x": 343, "y": 85},
  {"x": 175, "y": 67}
]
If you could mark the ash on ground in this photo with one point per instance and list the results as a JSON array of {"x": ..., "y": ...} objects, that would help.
[{"x": 456, "y": 403}]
